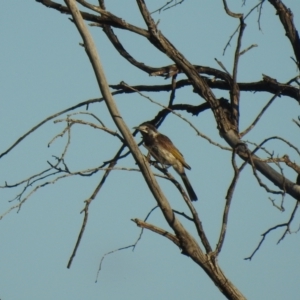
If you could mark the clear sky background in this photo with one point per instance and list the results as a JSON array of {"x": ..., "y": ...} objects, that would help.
[{"x": 44, "y": 70}]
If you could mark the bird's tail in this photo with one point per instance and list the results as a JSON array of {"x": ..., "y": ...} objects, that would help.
[{"x": 189, "y": 187}]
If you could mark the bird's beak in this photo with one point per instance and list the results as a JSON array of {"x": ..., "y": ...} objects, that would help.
[{"x": 136, "y": 127}]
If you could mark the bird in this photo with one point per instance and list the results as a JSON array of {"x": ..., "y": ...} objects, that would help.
[{"x": 164, "y": 151}]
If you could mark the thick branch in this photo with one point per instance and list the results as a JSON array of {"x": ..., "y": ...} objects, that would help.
[
  {"x": 276, "y": 178},
  {"x": 258, "y": 86},
  {"x": 286, "y": 18}
]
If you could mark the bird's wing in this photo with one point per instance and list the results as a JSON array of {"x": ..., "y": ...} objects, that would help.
[{"x": 168, "y": 145}]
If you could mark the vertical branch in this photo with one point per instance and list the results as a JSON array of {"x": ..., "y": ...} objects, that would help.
[
  {"x": 237, "y": 51},
  {"x": 227, "y": 204},
  {"x": 172, "y": 97},
  {"x": 102, "y": 4},
  {"x": 235, "y": 91}
]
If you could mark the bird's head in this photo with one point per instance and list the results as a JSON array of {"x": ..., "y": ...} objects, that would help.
[{"x": 147, "y": 129}]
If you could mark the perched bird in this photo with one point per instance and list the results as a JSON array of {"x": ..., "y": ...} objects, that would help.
[{"x": 164, "y": 151}]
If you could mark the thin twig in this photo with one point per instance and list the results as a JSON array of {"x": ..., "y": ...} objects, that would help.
[
  {"x": 247, "y": 49},
  {"x": 51, "y": 118},
  {"x": 69, "y": 174},
  {"x": 88, "y": 202},
  {"x": 183, "y": 214},
  {"x": 288, "y": 230},
  {"x": 265, "y": 108},
  {"x": 222, "y": 66},
  {"x": 259, "y": 180},
  {"x": 84, "y": 222},
  {"x": 165, "y": 6},
  {"x": 126, "y": 247},
  {"x": 236, "y": 30},
  {"x": 287, "y": 225},
  {"x": 112, "y": 132},
  {"x": 263, "y": 238},
  {"x": 157, "y": 230}
]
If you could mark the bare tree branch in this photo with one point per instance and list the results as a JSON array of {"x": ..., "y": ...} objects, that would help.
[
  {"x": 229, "y": 12},
  {"x": 157, "y": 230},
  {"x": 288, "y": 230},
  {"x": 286, "y": 18},
  {"x": 259, "y": 86},
  {"x": 168, "y": 6},
  {"x": 236, "y": 30},
  {"x": 234, "y": 91},
  {"x": 85, "y": 103},
  {"x": 126, "y": 247},
  {"x": 247, "y": 49},
  {"x": 227, "y": 204},
  {"x": 106, "y": 19},
  {"x": 287, "y": 225},
  {"x": 262, "y": 240},
  {"x": 265, "y": 108},
  {"x": 86, "y": 215}
]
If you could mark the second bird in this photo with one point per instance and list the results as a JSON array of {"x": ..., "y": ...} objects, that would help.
[{"x": 164, "y": 151}]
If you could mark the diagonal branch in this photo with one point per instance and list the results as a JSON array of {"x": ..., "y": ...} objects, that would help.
[
  {"x": 85, "y": 103},
  {"x": 264, "y": 235},
  {"x": 89, "y": 200},
  {"x": 246, "y": 16},
  {"x": 119, "y": 47},
  {"x": 262, "y": 240},
  {"x": 196, "y": 219},
  {"x": 157, "y": 230},
  {"x": 265, "y": 108},
  {"x": 286, "y": 18}
]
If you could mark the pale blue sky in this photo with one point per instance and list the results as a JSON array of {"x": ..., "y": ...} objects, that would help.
[{"x": 44, "y": 70}]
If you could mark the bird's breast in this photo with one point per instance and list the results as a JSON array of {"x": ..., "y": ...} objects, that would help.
[{"x": 161, "y": 154}]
